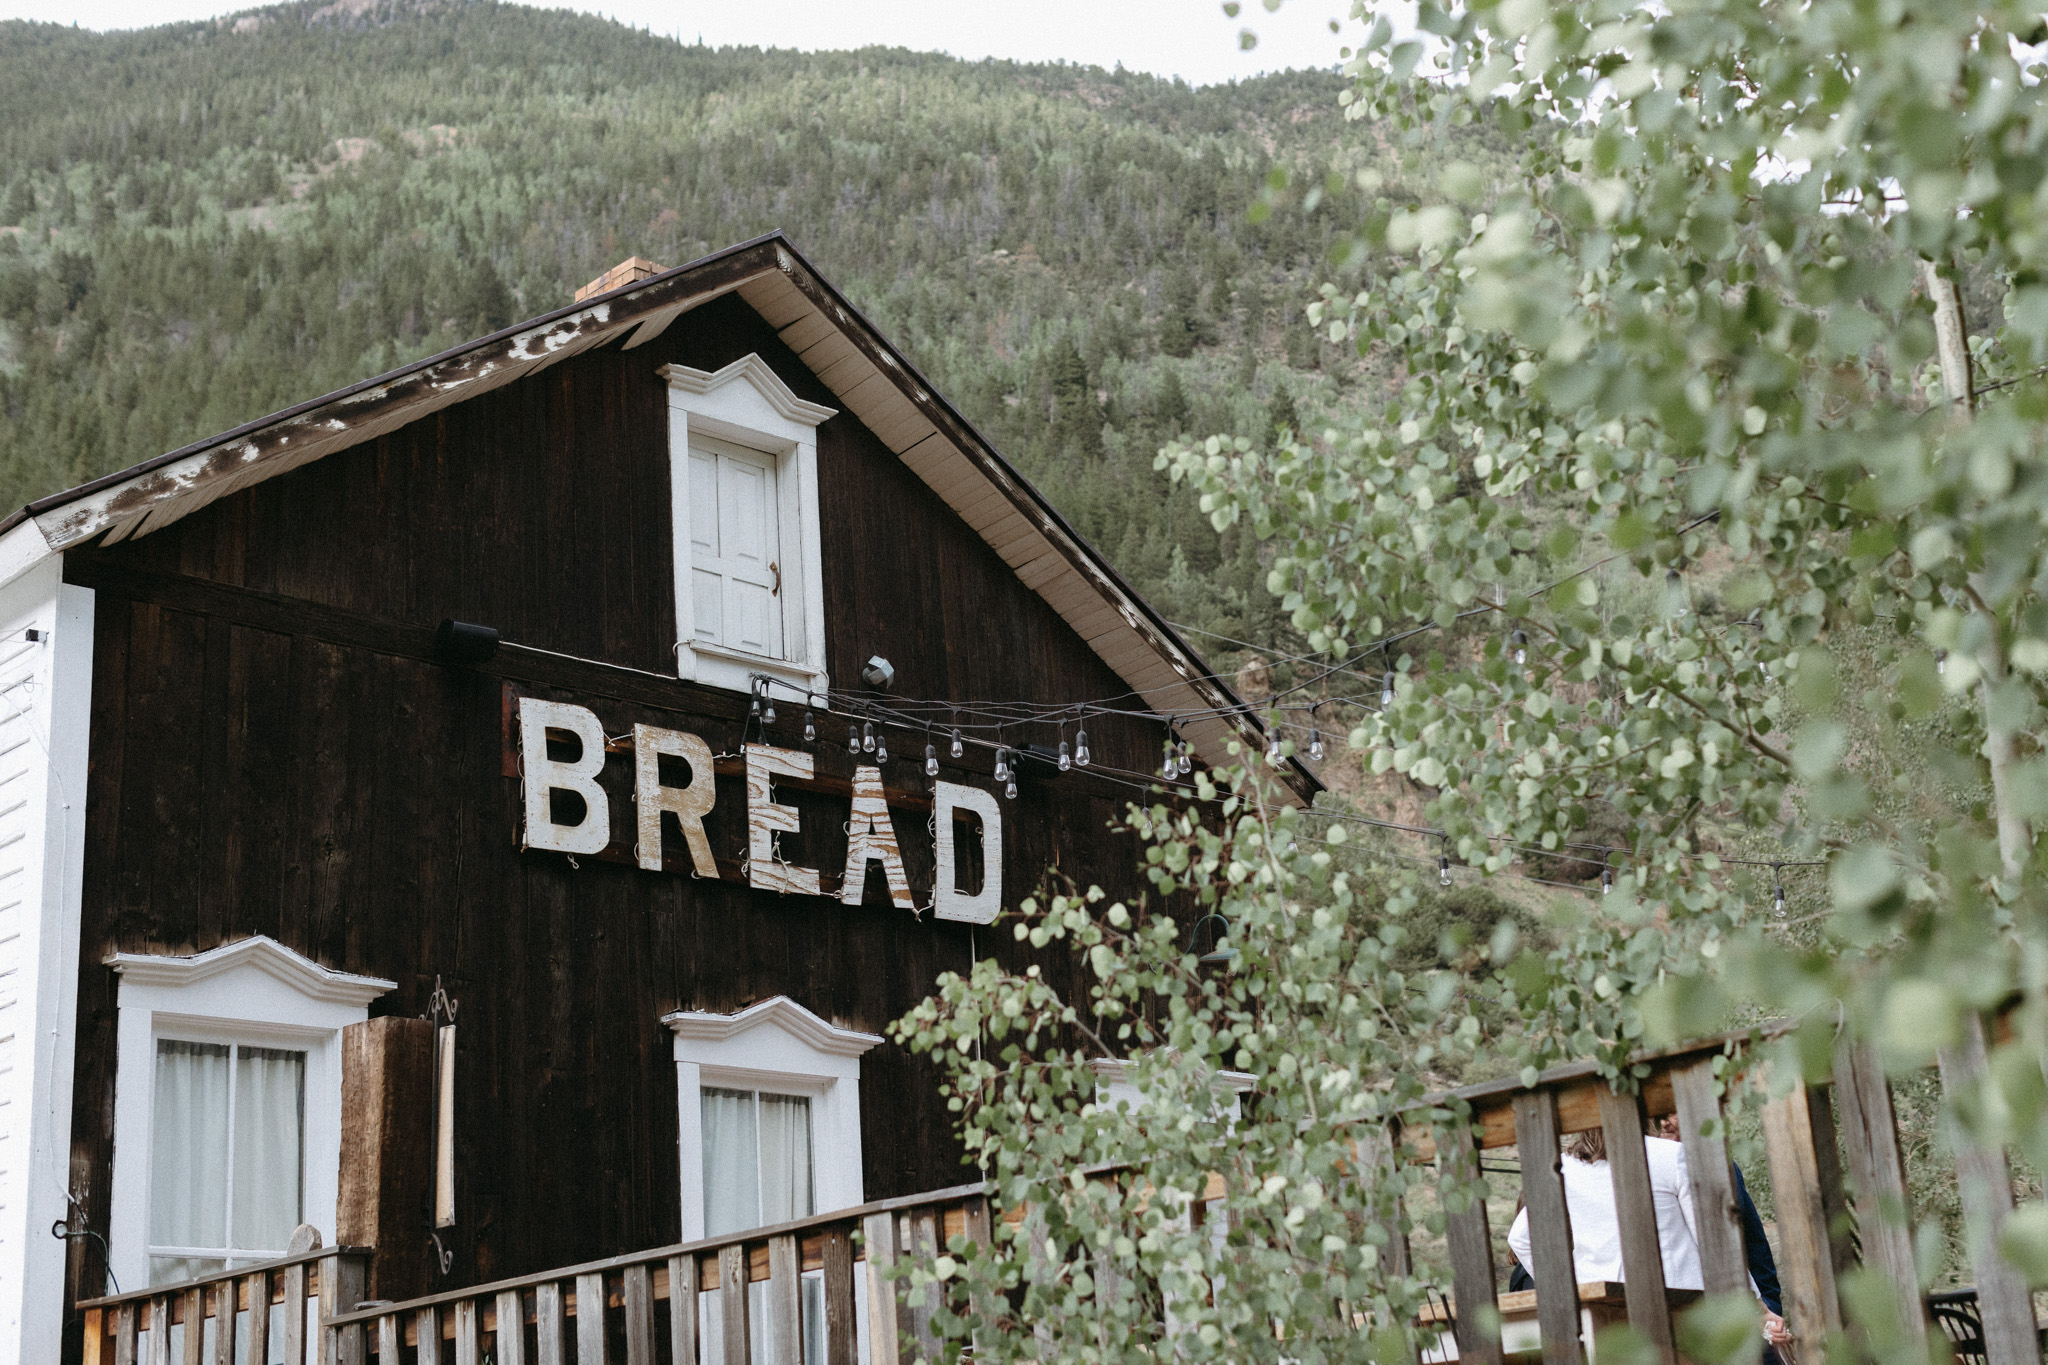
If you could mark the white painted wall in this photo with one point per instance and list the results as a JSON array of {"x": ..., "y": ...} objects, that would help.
[{"x": 45, "y": 694}]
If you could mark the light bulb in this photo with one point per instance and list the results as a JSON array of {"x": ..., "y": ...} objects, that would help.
[
  {"x": 1521, "y": 642},
  {"x": 852, "y": 738},
  {"x": 1066, "y": 758},
  {"x": 1443, "y": 869},
  {"x": 754, "y": 706},
  {"x": 1941, "y": 661},
  {"x": 1315, "y": 747},
  {"x": 958, "y": 747},
  {"x": 1674, "y": 587},
  {"x": 1387, "y": 691},
  {"x": 1275, "y": 755},
  {"x": 1011, "y": 790},
  {"x": 810, "y": 727},
  {"x": 1002, "y": 764},
  {"x": 1778, "y": 901},
  {"x": 1081, "y": 747},
  {"x": 882, "y": 749},
  {"x": 931, "y": 760},
  {"x": 1187, "y": 760},
  {"x": 1171, "y": 764},
  {"x": 1606, "y": 880},
  {"x": 768, "y": 712},
  {"x": 867, "y": 736}
]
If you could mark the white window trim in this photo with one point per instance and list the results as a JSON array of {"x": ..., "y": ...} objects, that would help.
[
  {"x": 254, "y": 991},
  {"x": 782, "y": 1048},
  {"x": 748, "y": 404}
]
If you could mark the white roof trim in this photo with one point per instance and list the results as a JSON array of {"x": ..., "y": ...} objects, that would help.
[
  {"x": 766, "y": 382},
  {"x": 778, "y": 1012},
  {"x": 302, "y": 974}
]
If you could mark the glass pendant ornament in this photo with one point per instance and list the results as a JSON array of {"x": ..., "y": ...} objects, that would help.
[
  {"x": 931, "y": 760},
  {"x": 810, "y": 727},
  {"x": 1066, "y": 758},
  {"x": 867, "y": 737},
  {"x": 1081, "y": 748},
  {"x": 958, "y": 747}
]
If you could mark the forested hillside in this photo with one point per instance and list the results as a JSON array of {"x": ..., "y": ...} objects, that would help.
[{"x": 206, "y": 222}]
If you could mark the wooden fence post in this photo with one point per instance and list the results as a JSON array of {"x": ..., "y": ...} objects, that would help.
[
  {"x": 842, "y": 1342},
  {"x": 1550, "y": 1227},
  {"x": 2003, "y": 1303},
  {"x": 590, "y": 1306},
  {"x": 1472, "y": 1283},
  {"x": 682, "y": 1309},
  {"x": 1884, "y": 1206},
  {"x": 885, "y": 1308},
  {"x": 1635, "y": 1210},
  {"x": 1812, "y": 1309},
  {"x": 1724, "y": 1266},
  {"x": 732, "y": 1304}
]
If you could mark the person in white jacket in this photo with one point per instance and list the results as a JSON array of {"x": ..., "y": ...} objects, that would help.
[{"x": 1596, "y": 1230}]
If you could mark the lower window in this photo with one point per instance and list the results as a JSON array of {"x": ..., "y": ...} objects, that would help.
[
  {"x": 228, "y": 1156},
  {"x": 757, "y": 1159}
]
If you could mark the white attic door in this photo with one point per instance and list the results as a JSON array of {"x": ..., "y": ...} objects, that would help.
[{"x": 735, "y": 548}]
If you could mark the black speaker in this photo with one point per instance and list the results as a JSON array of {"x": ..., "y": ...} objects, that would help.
[{"x": 459, "y": 642}]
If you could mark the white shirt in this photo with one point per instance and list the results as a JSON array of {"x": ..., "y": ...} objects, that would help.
[{"x": 1596, "y": 1232}]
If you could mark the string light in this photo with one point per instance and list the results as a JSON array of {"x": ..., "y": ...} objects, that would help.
[
  {"x": 810, "y": 727},
  {"x": 1002, "y": 764},
  {"x": 1066, "y": 758},
  {"x": 852, "y": 738},
  {"x": 1275, "y": 754},
  {"x": 1081, "y": 748},
  {"x": 1606, "y": 880},
  {"x": 931, "y": 760},
  {"x": 1011, "y": 790},
  {"x": 882, "y": 749},
  {"x": 867, "y": 737},
  {"x": 959, "y": 747},
  {"x": 1941, "y": 661},
  {"x": 754, "y": 705},
  {"x": 1674, "y": 588},
  {"x": 1778, "y": 900},
  {"x": 767, "y": 706},
  {"x": 1443, "y": 867},
  {"x": 1521, "y": 642},
  {"x": 1387, "y": 690},
  {"x": 1315, "y": 737},
  {"x": 1171, "y": 767}
]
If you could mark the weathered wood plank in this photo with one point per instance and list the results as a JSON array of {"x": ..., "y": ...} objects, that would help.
[
  {"x": 427, "y": 1336},
  {"x": 1724, "y": 1265},
  {"x": 124, "y": 1335},
  {"x": 342, "y": 1277},
  {"x": 469, "y": 1332},
  {"x": 1635, "y": 1211},
  {"x": 256, "y": 1289},
  {"x": 1884, "y": 1204},
  {"x": 887, "y": 1332},
  {"x": 1807, "y": 1271},
  {"x": 510, "y": 1348},
  {"x": 785, "y": 1303},
  {"x": 682, "y": 1310},
  {"x": 390, "y": 1339},
  {"x": 225, "y": 1322},
  {"x": 1471, "y": 1246},
  {"x": 192, "y": 1342},
  {"x": 550, "y": 1325},
  {"x": 590, "y": 1304},
  {"x": 1985, "y": 1181},
  {"x": 637, "y": 1295},
  {"x": 294, "y": 1325},
  {"x": 732, "y": 1304},
  {"x": 1550, "y": 1227},
  {"x": 95, "y": 1336},
  {"x": 841, "y": 1331}
]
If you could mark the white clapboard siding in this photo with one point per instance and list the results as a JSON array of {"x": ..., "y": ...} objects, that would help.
[{"x": 45, "y": 685}]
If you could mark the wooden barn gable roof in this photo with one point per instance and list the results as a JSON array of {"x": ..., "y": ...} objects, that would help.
[{"x": 867, "y": 375}]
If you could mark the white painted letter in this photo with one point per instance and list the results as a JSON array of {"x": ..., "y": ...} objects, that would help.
[
  {"x": 689, "y": 803},
  {"x": 579, "y": 775},
  {"x": 948, "y": 900},
  {"x": 765, "y": 820},
  {"x": 871, "y": 835}
]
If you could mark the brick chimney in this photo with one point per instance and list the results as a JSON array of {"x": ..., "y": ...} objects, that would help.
[{"x": 632, "y": 270}]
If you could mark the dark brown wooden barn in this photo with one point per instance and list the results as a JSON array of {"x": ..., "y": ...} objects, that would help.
[{"x": 263, "y": 792}]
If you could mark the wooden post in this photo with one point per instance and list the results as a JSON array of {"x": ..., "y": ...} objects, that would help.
[
  {"x": 590, "y": 1305},
  {"x": 257, "y": 1289},
  {"x": 1635, "y": 1211},
  {"x": 841, "y": 1332},
  {"x": 194, "y": 1343},
  {"x": 2003, "y": 1303},
  {"x": 1812, "y": 1309},
  {"x": 550, "y": 1327},
  {"x": 124, "y": 1334},
  {"x": 469, "y": 1332},
  {"x": 885, "y": 1340},
  {"x": 511, "y": 1344},
  {"x": 160, "y": 1330},
  {"x": 1827, "y": 1163},
  {"x": 390, "y": 1339},
  {"x": 1884, "y": 1206},
  {"x": 1375, "y": 1153},
  {"x": 95, "y": 1335},
  {"x": 295, "y": 1314},
  {"x": 341, "y": 1289},
  {"x": 682, "y": 1309},
  {"x": 1724, "y": 1265},
  {"x": 225, "y": 1296},
  {"x": 732, "y": 1304},
  {"x": 785, "y": 1302},
  {"x": 1550, "y": 1227},
  {"x": 387, "y": 1091},
  {"x": 427, "y": 1336},
  {"x": 637, "y": 1290},
  {"x": 1472, "y": 1282}
]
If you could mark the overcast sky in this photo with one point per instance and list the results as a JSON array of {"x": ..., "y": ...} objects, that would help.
[{"x": 1187, "y": 38}]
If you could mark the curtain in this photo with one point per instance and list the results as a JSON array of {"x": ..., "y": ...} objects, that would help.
[
  {"x": 189, "y": 1176},
  {"x": 270, "y": 1121},
  {"x": 732, "y": 1154},
  {"x": 785, "y": 1158}
]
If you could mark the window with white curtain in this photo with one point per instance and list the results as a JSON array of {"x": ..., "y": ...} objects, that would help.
[
  {"x": 228, "y": 1155},
  {"x": 757, "y": 1159}
]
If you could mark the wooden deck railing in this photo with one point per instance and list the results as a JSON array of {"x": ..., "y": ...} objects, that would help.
[
  {"x": 226, "y": 1318},
  {"x": 644, "y": 1309},
  {"x": 1809, "y": 1135}
]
